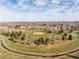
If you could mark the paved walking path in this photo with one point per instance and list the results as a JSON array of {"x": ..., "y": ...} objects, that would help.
[{"x": 37, "y": 55}]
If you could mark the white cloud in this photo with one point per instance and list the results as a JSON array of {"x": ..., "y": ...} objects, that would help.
[
  {"x": 51, "y": 15},
  {"x": 40, "y": 2},
  {"x": 55, "y": 1}
]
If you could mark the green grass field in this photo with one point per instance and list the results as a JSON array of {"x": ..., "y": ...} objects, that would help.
[
  {"x": 60, "y": 48},
  {"x": 43, "y": 49},
  {"x": 7, "y": 55}
]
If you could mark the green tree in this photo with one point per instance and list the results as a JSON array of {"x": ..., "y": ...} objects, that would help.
[
  {"x": 70, "y": 37},
  {"x": 65, "y": 34},
  {"x": 49, "y": 31},
  {"x": 40, "y": 41},
  {"x": 23, "y": 37},
  {"x": 47, "y": 41},
  {"x": 19, "y": 33},
  {"x": 61, "y": 31},
  {"x": 63, "y": 38}
]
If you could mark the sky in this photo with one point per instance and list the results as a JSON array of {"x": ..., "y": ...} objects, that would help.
[{"x": 39, "y": 10}]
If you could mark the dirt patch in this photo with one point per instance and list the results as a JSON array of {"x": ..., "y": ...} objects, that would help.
[{"x": 38, "y": 33}]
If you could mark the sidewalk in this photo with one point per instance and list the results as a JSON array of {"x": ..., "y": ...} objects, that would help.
[{"x": 37, "y": 54}]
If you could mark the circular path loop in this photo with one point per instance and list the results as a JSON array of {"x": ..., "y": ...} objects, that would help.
[{"x": 30, "y": 54}]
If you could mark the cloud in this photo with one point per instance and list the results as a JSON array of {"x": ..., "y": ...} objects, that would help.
[{"x": 54, "y": 11}]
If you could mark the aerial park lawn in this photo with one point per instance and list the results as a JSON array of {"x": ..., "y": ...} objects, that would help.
[{"x": 54, "y": 48}]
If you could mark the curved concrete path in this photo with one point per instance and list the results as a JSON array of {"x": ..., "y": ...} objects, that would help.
[{"x": 30, "y": 54}]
